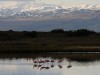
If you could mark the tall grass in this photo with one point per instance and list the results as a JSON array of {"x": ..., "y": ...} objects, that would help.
[{"x": 47, "y": 42}]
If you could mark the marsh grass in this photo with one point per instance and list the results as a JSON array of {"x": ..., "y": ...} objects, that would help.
[{"x": 47, "y": 42}]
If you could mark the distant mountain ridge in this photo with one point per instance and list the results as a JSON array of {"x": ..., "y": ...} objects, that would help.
[
  {"x": 48, "y": 17},
  {"x": 46, "y": 10}
]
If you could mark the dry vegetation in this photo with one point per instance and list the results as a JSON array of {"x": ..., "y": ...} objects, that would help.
[{"x": 11, "y": 41}]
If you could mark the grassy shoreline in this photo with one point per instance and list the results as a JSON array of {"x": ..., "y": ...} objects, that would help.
[
  {"x": 47, "y": 42},
  {"x": 40, "y": 47}
]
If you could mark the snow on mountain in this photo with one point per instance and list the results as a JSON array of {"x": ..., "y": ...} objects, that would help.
[
  {"x": 42, "y": 17},
  {"x": 41, "y": 10},
  {"x": 91, "y": 7}
]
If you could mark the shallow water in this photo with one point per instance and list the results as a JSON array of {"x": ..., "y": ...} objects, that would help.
[{"x": 48, "y": 66}]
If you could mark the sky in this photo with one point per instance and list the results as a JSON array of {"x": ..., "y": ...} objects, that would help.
[{"x": 13, "y": 3}]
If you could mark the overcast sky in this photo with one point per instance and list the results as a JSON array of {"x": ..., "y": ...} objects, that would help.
[{"x": 13, "y": 3}]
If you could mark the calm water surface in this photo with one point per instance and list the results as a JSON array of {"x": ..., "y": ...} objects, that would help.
[{"x": 48, "y": 66}]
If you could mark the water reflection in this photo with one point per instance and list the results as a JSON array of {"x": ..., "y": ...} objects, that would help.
[{"x": 51, "y": 66}]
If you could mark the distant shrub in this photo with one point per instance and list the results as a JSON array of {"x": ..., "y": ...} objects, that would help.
[
  {"x": 10, "y": 30},
  {"x": 31, "y": 34},
  {"x": 80, "y": 32},
  {"x": 57, "y": 31}
]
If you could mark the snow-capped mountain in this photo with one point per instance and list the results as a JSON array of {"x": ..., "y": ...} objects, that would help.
[
  {"x": 46, "y": 10},
  {"x": 42, "y": 17}
]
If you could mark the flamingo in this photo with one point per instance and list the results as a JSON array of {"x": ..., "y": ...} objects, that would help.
[
  {"x": 52, "y": 65},
  {"x": 59, "y": 61},
  {"x": 35, "y": 61},
  {"x": 41, "y": 61},
  {"x": 69, "y": 66},
  {"x": 52, "y": 61},
  {"x": 47, "y": 61}
]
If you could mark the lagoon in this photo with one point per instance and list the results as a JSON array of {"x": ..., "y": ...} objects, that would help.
[{"x": 48, "y": 66}]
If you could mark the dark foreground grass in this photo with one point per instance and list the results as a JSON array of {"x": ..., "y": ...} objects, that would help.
[{"x": 46, "y": 42}]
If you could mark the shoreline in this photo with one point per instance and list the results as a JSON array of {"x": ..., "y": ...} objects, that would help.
[{"x": 74, "y": 57}]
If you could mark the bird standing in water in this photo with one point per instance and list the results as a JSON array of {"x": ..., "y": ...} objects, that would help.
[{"x": 69, "y": 65}]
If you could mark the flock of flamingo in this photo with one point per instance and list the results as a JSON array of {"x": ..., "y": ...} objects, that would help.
[{"x": 43, "y": 64}]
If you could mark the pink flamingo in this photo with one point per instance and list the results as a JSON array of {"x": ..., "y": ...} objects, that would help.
[
  {"x": 69, "y": 66},
  {"x": 52, "y": 65},
  {"x": 47, "y": 61},
  {"x": 59, "y": 61},
  {"x": 52, "y": 61},
  {"x": 35, "y": 61},
  {"x": 41, "y": 61}
]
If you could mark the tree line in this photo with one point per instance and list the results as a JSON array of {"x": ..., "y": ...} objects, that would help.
[
  {"x": 79, "y": 32},
  {"x": 33, "y": 34}
]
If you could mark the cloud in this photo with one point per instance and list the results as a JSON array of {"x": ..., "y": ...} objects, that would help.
[
  {"x": 21, "y": 3},
  {"x": 7, "y": 4},
  {"x": 12, "y": 4}
]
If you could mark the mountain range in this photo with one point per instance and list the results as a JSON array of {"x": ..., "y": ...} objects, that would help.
[{"x": 47, "y": 17}]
